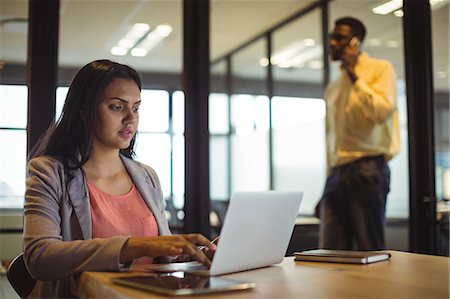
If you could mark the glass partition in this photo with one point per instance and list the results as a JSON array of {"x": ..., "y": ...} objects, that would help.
[
  {"x": 298, "y": 112},
  {"x": 249, "y": 121},
  {"x": 297, "y": 57},
  {"x": 153, "y": 144},
  {"x": 13, "y": 138},
  {"x": 14, "y": 103},
  {"x": 440, "y": 13},
  {"x": 178, "y": 157},
  {"x": 219, "y": 130},
  {"x": 440, "y": 40}
]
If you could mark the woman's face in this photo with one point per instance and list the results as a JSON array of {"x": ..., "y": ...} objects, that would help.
[{"x": 117, "y": 115}]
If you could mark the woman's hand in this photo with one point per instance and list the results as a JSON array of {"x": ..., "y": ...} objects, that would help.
[
  {"x": 210, "y": 252},
  {"x": 137, "y": 247}
]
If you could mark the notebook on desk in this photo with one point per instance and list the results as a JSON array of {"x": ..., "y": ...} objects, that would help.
[
  {"x": 256, "y": 232},
  {"x": 342, "y": 256}
]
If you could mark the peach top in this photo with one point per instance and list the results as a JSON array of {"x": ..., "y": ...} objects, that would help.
[{"x": 121, "y": 215}]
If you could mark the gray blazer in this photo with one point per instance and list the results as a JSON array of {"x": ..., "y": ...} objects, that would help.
[{"x": 58, "y": 229}]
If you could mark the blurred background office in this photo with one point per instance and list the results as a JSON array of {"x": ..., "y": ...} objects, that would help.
[{"x": 265, "y": 121}]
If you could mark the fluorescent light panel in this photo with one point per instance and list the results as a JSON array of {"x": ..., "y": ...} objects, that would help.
[
  {"x": 436, "y": 4},
  {"x": 140, "y": 40},
  {"x": 399, "y": 13},
  {"x": 151, "y": 40},
  {"x": 296, "y": 54},
  {"x": 131, "y": 38},
  {"x": 396, "y": 5},
  {"x": 388, "y": 7}
]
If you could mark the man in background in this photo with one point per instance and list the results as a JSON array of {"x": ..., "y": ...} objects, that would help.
[{"x": 362, "y": 135}]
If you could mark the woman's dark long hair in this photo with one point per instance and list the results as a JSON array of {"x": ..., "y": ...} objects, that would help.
[{"x": 70, "y": 138}]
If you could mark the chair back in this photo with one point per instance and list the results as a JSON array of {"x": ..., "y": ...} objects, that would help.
[{"x": 19, "y": 277}]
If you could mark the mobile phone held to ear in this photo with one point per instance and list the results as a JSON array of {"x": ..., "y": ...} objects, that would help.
[{"x": 354, "y": 42}]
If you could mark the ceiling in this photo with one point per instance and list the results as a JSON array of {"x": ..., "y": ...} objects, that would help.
[{"x": 88, "y": 30}]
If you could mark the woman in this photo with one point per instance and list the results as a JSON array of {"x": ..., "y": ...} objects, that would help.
[{"x": 88, "y": 205}]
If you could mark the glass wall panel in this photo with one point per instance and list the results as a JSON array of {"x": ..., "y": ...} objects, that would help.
[
  {"x": 297, "y": 57},
  {"x": 178, "y": 171},
  {"x": 178, "y": 112},
  {"x": 298, "y": 112},
  {"x": 14, "y": 103},
  {"x": 219, "y": 130},
  {"x": 248, "y": 74},
  {"x": 440, "y": 39},
  {"x": 13, "y": 138},
  {"x": 440, "y": 13},
  {"x": 384, "y": 40},
  {"x": 218, "y": 114},
  {"x": 154, "y": 111},
  {"x": 61, "y": 94},
  {"x": 154, "y": 150},
  {"x": 219, "y": 142},
  {"x": 178, "y": 155},
  {"x": 219, "y": 146},
  {"x": 249, "y": 120},
  {"x": 12, "y": 168},
  {"x": 219, "y": 187},
  {"x": 299, "y": 148},
  {"x": 250, "y": 143}
]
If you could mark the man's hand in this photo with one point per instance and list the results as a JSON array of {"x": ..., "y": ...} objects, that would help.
[{"x": 349, "y": 57}]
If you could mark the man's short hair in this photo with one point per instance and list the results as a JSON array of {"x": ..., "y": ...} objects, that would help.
[{"x": 358, "y": 27}]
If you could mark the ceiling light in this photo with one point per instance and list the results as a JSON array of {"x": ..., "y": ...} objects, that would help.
[
  {"x": 392, "y": 44},
  {"x": 163, "y": 30},
  {"x": 297, "y": 53},
  {"x": 399, "y": 13},
  {"x": 151, "y": 40},
  {"x": 441, "y": 74},
  {"x": 264, "y": 61},
  {"x": 395, "y": 5},
  {"x": 387, "y": 7},
  {"x": 309, "y": 42},
  {"x": 287, "y": 52},
  {"x": 374, "y": 42},
  {"x": 301, "y": 58},
  {"x": 436, "y": 4},
  {"x": 131, "y": 38},
  {"x": 119, "y": 51},
  {"x": 138, "y": 52}
]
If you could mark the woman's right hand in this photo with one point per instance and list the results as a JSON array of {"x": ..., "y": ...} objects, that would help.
[{"x": 137, "y": 247}]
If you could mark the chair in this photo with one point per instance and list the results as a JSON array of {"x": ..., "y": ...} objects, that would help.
[{"x": 19, "y": 277}]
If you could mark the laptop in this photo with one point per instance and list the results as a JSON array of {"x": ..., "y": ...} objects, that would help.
[{"x": 256, "y": 232}]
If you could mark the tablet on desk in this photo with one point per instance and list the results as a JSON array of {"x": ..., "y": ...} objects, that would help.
[{"x": 180, "y": 283}]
